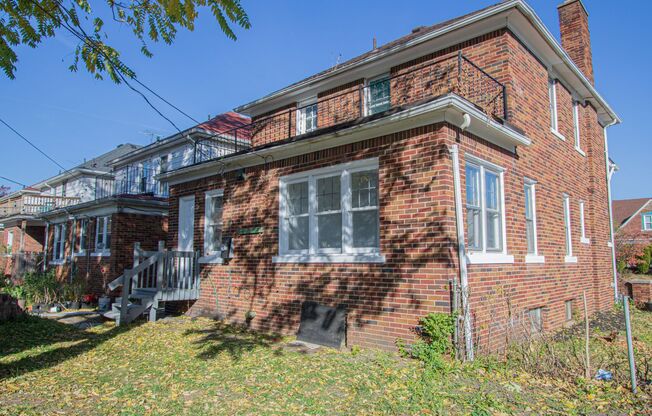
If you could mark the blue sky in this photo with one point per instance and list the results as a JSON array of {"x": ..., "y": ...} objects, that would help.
[{"x": 72, "y": 116}]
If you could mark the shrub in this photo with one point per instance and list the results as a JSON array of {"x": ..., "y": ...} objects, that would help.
[
  {"x": 42, "y": 287},
  {"x": 436, "y": 340},
  {"x": 643, "y": 265}
]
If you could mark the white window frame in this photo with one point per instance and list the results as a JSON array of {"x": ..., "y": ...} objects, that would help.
[
  {"x": 647, "y": 221},
  {"x": 534, "y": 257},
  {"x": 583, "y": 239},
  {"x": 105, "y": 220},
  {"x": 576, "y": 127},
  {"x": 568, "y": 310},
  {"x": 59, "y": 239},
  {"x": 211, "y": 256},
  {"x": 367, "y": 93},
  {"x": 10, "y": 242},
  {"x": 301, "y": 115},
  {"x": 554, "y": 113},
  {"x": 568, "y": 258},
  {"x": 83, "y": 236},
  {"x": 313, "y": 254},
  {"x": 484, "y": 256}
]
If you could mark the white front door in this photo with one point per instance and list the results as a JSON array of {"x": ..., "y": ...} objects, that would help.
[{"x": 186, "y": 222}]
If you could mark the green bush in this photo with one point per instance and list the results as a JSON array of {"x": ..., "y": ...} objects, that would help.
[
  {"x": 436, "y": 340},
  {"x": 42, "y": 287},
  {"x": 621, "y": 266},
  {"x": 643, "y": 265}
]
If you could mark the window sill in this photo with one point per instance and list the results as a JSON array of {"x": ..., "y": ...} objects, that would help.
[
  {"x": 211, "y": 259},
  {"x": 101, "y": 254},
  {"x": 57, "y": 262},
  {"x": 535, "y": 259},
  {"x": 79, "y": 254},
  {"x": 585, "y": 240},
  {"x": 580, "y": 151},
  {"x": 570, "y": 259},
  {"x": 489, "y": 258},
  {"x": 557, "y": 134},
  {"x": 329, "y": 258}
]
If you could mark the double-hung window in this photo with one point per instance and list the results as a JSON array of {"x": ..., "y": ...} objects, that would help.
[
  {"x": 213, "y": 209},
  {"x": 330, "y": 215},
  {"x": 307, "y": 116},
  {"x": 567, "y": 231},
  {"x": 59, "y": 245},
  {"x": 83, "y": 235},
  {"x": 531, "y": 223},
  {"x": 576, "y": 126},
  {"x": 583, "y": 238},
  {"x": 647, "y": 221},
  {"x": 103, "y": 235},
  {"x": 552, "y": 99},
  {"x": 485, "y": 212},
  {"x": 378, "y": 95}
]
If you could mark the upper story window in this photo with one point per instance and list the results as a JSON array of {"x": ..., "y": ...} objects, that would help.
[
  {"x": 59, "y": 245},
  {"x": 164, "y": 163},
  {"x": 307, "y": 116},
  {"x": 531, "y": 223},
  {"x": 213, "y": 222},
  {"x": 103, "y": 234},
  {"x": 647, "y": 221},
  {"x": 378, "y": 95},
  {"x": 554, "y": 118},
  {"x": 145, "y": 177},
  {"x": 567, "y": 231},
  {"x": 576, "y": 125},
  {"x": 484, "y": 205},
  {"x": 331, "y": 214}
]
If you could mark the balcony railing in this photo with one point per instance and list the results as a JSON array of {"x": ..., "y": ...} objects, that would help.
[
  {"x": 131, "y": 181},
  {"x": 453, "y": 73},
  {"x": 35, "y": 204}
]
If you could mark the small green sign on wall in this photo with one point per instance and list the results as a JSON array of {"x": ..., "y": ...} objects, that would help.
[{"x": 249, "y": 231}]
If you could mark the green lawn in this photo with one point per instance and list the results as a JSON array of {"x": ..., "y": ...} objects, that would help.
[{"x": 185, "y": 366}]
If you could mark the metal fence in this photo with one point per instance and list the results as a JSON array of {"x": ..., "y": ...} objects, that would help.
[{"x": 131, "y": 181}]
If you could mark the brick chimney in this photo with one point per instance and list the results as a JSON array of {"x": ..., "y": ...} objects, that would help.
[{"x": 575, "y": 36}]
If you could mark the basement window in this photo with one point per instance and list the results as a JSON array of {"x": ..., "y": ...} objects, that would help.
[
  {"x": 536, "y": 321},
  {"x": 330, "y": 215},
  {"x": 568, "y": 310}
]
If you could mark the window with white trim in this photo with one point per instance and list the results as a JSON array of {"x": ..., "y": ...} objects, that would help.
[
  {"x": 307, "y": 116},
  {"x": 484, "y": 207},
  {"x": 584, "y": 238},
  {"x": 552, "y": 96},
  {"x": 530, "y": 217},
  {"x": 568, "y": 310},
  {"x": 647, "y": 221},
  {"x": 83, "y": 235},
  {"x": 59, "y": 244},
  {"x": 213, "y": 222},
  {"x": 103, "y": 234},
  {"x": 378, "y": 95},
  {"x": 567, "y": 227},
  {"x": 331, "y": 211},
  {"x": 576, "y": 124}
]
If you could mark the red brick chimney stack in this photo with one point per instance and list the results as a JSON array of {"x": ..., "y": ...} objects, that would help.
[{"x": 575, "y": 36}]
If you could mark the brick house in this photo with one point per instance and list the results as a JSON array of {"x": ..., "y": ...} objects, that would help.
[
  {"x": 94, "y": 238},
  {"x": 633, "y": 220},
  {"x": 462, "y": 167}
]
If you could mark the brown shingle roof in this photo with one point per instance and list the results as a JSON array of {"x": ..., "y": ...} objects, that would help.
[{"x": 623, "y": 209}]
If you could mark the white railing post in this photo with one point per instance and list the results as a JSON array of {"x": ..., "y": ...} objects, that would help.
[{"x": 124, "y": 303}]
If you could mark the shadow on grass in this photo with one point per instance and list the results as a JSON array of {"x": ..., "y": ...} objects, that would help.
[
  {"x": 235, "y": 341},
  {"x": 29, "y": 333}
]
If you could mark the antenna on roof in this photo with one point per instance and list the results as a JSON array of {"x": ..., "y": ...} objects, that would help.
[
  {"x": 375, "y": 44},
  {"x": 337, "y": 60}
]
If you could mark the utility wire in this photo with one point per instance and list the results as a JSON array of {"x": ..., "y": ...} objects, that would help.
[
  {"x": 32, "y": 144},
  {"x": 13, "y": 181}
]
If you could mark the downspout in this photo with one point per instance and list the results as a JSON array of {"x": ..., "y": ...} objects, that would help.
[
  {"x": 610, "y": 173},
  {"x": 45, "y": 246},
  {"x": 461, "y": 252}
]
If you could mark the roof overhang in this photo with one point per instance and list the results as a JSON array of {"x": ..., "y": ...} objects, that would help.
[
  {"x": 515, "y": 15},
  {"x": 448, "y": 108},
  {"x": 71, "y": 174},
  {"x": 13, "y": 220},
  {"x": 109, "y": 205}
]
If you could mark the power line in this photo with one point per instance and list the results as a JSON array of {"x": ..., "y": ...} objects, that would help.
[
  {"x": 13, "y": 181},
  {"x": 31, "y": 144}
]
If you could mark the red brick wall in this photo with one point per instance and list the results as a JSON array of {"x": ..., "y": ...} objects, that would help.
[
  {"x": 633, "y": 230},
  {"x": 417, "y": 223},
  {"x": 575, "y": 35},
  {"x": 126, "y": 229}
]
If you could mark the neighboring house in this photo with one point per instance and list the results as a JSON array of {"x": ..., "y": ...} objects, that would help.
[
  {"x": 470, "y": 154},
  {"x": 94, "y": 238},
  {"x": 633, "y": 221}
]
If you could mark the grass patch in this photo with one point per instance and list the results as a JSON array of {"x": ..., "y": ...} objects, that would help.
[{"x": 199, "y": 366}]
